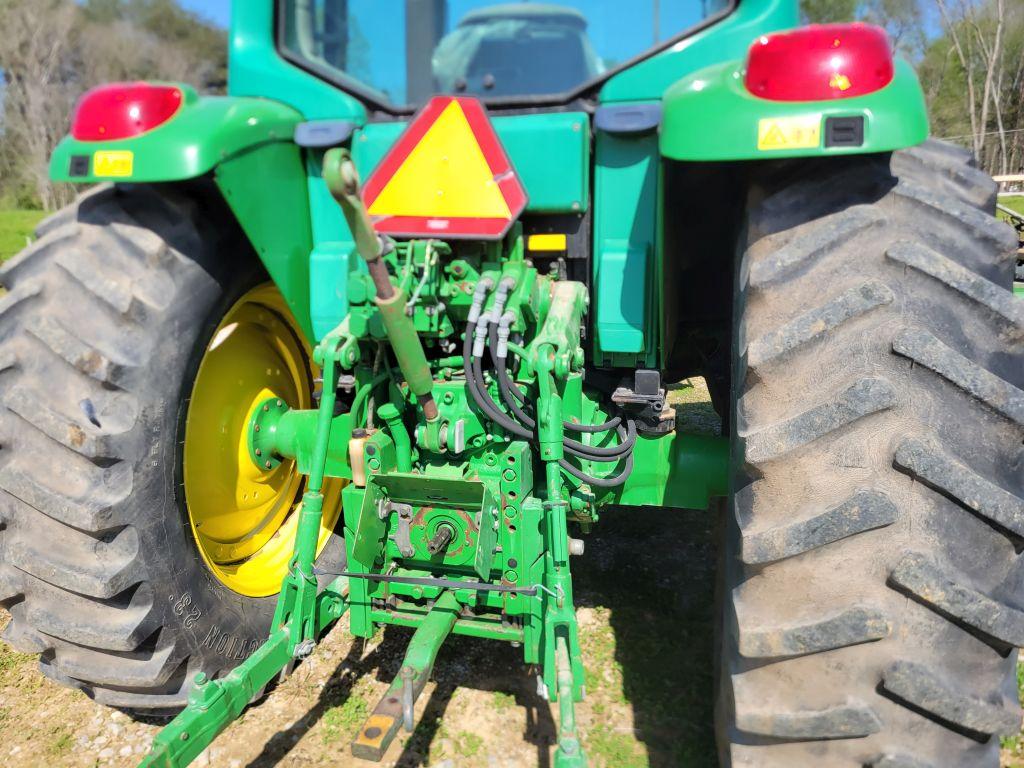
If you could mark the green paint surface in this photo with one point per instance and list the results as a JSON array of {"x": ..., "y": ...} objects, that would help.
[
  {"x": 266, "y": 189},
  {"x": 205, "y": 132},
  {"x": 710, "y": 116},
  {"x": 725, "y": 40},
  {"x": 550, "y": 152},
  {"x": 625, "y": 223},
  {"x": 677, "y": 470},
  {"x": 256, "y": 69}
]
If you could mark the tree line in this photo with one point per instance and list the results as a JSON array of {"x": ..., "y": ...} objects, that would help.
[
  {"x": 52, "y": 51},
  {"x": 969, "y": 55}
]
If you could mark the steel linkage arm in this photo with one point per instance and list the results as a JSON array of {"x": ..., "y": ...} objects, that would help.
[
  {"x": 303, "y": 612},
  {"x": 396, "y": 706}
]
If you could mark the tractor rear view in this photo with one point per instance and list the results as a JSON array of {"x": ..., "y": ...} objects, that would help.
[{"x": 381, "y": 333}]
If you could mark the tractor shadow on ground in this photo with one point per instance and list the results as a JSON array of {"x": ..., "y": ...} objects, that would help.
[
  {"x": 653, "y": 570},
  {"x": 462, "y": 662}
]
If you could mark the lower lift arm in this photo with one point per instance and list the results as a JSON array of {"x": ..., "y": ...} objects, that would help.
[{"x": 303, "y": 612}]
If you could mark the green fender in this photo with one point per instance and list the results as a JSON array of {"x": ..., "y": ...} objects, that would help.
[
  {"x": 247, "y": 145},
  {"x": 710, "y": 116},
  {"x": 206, "y": 131}
]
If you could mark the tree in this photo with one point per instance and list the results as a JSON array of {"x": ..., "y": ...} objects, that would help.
[
  {"x": 52, "y": 51},
  {"x": 37, "y": 54},
  {"x": 974, "y": 76},
  {"x": 902, "y": 19}
]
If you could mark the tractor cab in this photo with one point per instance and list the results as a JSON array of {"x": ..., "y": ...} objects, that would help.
[
  {"x": 510, "y": 50},
  {"x": 494, "y": 51}
]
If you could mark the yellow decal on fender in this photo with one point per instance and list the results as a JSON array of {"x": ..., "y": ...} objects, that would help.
[
  {"x": 803, "y": 132},
  {"x": 113, "y": 164}
]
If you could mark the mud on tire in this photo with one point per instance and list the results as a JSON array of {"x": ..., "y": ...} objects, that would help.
[
  {"x": 99, "y": 331},
  {"x": 874, "y": 585}
]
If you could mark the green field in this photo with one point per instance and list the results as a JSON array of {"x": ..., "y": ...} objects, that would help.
[
  {"x": 16, "y": 230},
  {"x": 1015, "y": 202}
]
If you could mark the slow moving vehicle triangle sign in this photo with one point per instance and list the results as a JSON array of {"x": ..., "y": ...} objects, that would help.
[{"x": 447, "y": 176}]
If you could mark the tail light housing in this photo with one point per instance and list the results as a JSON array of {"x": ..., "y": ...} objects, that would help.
[
  {"x": 123, "y": 110},
  {"x": 819, "y": 62}
]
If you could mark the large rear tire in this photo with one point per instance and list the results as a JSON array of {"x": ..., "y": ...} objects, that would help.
[
  {"x": 874, "y": 595},
  {"x": 107, "y": 321}
]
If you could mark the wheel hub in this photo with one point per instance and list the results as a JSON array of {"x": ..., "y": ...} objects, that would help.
[{"x": 241, "y": 506}]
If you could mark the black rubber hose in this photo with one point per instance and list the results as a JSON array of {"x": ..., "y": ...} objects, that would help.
[
  {"x": 516, "y": 399},
  {"x": 602, "y": 482},
  {"x": 481, "y": 398},
  {"x": 599, "y": 482},
  {"x": 615, "y": 451},
  {"x": 474, "y": 380},
  {"x": 571, "y": 447}
]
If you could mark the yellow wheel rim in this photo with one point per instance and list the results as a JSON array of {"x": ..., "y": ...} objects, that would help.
[{"x": 243, "y": 516}]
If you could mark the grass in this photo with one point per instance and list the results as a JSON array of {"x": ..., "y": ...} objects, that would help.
[
  {"x": 503, "y": 701},
  {"x": 13, "y": 664},
  {"x": 1012, "y": 745},
  {"x": 16, "y": 230},
  {"x": 63, "y": 740},
  {"x": 615, "y": 749},
  {"x": 468, "y": 744},
  {"x": 1015, "y": 202},
  {"x": 342, "y": 721}
]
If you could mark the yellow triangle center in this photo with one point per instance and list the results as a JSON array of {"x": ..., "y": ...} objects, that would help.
[
  {"x": 445, "y": 176},
  {"x": 774, "y": 137}
]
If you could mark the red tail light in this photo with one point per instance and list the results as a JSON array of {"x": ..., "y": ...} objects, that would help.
[
  {"x": 826, "y": 61},
  {"x": 123, "y": 110}
]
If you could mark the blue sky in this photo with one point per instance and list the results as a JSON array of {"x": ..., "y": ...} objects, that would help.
[{"x": 217, "y": 11}]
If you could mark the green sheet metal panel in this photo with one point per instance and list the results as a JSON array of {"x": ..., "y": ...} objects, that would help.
[
  {"x": 710, "y": 116},
  {"x": 551, "y": 154},
  {"x": 207, "y": 130},
  {"x": 625, "y": 225},
  {"x": 275, "y": 215},
  {"x": 333, "y": 257},
  {"x": 256, "y": 69}
]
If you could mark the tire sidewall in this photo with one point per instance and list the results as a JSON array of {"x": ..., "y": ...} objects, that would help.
[{"x": 217, "y": 626}]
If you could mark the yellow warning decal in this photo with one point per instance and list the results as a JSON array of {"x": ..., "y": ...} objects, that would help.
[
  {"x": 113, "y": 164},
  {"x": 803, "y": 132}
]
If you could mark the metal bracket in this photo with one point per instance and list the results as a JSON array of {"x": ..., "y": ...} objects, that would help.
[{"x": 402, "y": 536}]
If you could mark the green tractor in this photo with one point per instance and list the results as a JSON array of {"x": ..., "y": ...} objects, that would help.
[{"x": 385, "y": 329}]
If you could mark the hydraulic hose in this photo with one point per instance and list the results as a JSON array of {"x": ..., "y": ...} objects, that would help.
[
  {"x": 508, "y": 387},
  {"x": 474, "y": 380},
  {"x": 600, "y": 482},
  {"x": 478, "y": 391},
  {"x": 516, "y": 399}
]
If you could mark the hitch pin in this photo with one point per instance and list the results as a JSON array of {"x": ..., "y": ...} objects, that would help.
[{"x": 408, "y": 697}]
